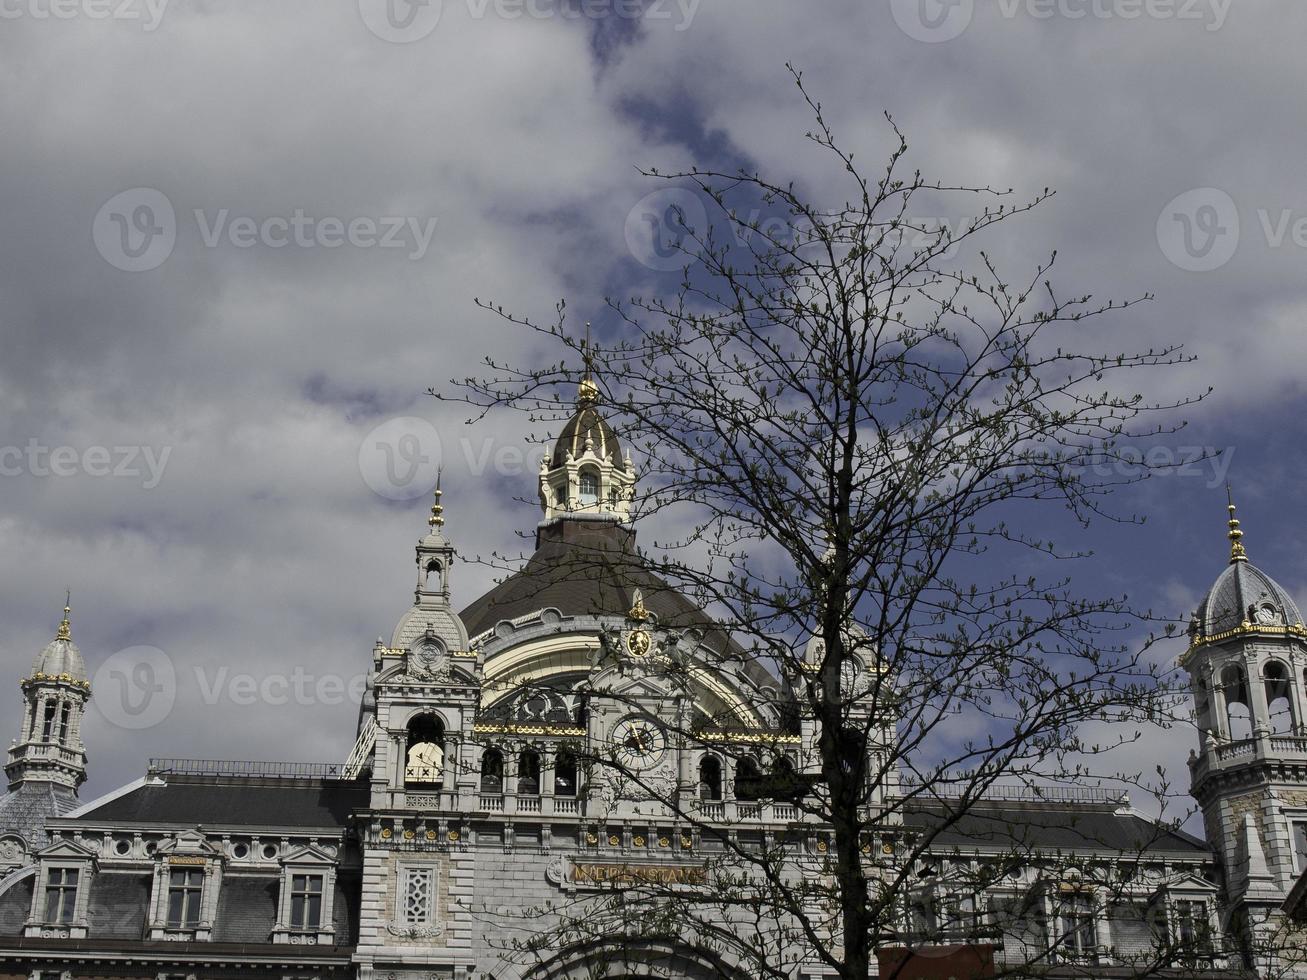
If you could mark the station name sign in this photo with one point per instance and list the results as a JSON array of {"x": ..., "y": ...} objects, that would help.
[{"x": 638, "y": 874}]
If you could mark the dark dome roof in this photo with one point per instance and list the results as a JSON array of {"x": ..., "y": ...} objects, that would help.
[
  {"x": 587, "y": 423},
  {"x": 1237, "y": 594}
]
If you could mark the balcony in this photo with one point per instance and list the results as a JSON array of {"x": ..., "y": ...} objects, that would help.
[{"x": 1262, "y": 747}]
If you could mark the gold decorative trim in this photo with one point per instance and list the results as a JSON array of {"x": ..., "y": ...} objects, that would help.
[
  {"x": 1297, "y": 629},
  {"x": 487, "y": 728},
  {"x": 749, "y": 738}
]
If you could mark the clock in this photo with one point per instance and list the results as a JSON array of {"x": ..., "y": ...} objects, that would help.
[{"x": 638, "y": 743}]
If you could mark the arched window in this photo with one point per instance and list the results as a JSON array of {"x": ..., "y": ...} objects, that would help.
[
  {"x": 1279, "y": 698},
  {"x": 47, "y": 728},
  {"x": 63, "y": 722},
  {"x": 492, "y": 771},
  {"x": 431, "y": 581},
  {"x": 528, "y": 773},
  {"x": 1236, "y": 702},
  {"x": 786, "y": 784},
  {"x": 565, "y": 773},
  {"x": 424, "y": 757},
  {"x": 746, "y": 780},
  {"x": 589, "y": 487},
  {"x": 710, "y": 778}
]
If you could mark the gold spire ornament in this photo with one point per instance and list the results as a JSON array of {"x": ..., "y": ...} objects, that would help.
[
  {"x": 66, "y": 627},
  {"x": 437, "y": 519},
  {"x": 1237, "y": 551},
  {"x": 587, "y": 392},
  {"x": 638, "y": 611}
]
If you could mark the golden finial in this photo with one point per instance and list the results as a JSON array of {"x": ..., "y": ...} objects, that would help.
[
  {"x": 437, "y": 518},
  {"x": 638, "y": 612},
  {"x": 66, "y": 627},
  {"x": 587, "y": 392},
  {"x": 1237, "y": 552}
]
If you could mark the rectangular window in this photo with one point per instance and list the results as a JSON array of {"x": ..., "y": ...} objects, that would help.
[
  {"x": 61, "y": 895},
  {"x": 1300, "y": 845},
  {"x": 1191, "y": 927},
  {"x": 305, "y": 901},
  {"x": 1079, "y": 935},
  {"x": 185, "y": 887},
  {"x": 418, "y": 898}
]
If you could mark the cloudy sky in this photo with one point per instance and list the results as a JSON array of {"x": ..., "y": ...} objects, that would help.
[{"x": 242, "y": 238}]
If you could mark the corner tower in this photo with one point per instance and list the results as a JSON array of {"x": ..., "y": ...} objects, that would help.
[
  {"x": 1247, "y": 666},
  {"x": 46, "y": 763}
]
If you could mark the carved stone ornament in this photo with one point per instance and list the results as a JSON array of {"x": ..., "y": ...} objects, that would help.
[
  {"x": 556, "y": 871},
  {"x": 416, "y": 932},
  {"x": 429, "y": 662}
]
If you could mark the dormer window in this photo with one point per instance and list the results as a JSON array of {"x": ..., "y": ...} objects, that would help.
[
  {"x": 185, "y": 890},
  {"x": 589, "y": 495},
  {"x": 61, "y": 895}
]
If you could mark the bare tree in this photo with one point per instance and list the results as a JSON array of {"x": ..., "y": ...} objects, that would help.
[{"x": 857, "y": 422}]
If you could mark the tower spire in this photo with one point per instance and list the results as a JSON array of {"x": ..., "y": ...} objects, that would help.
[
  {"x": 437, "y": 519},
  {"x": 587, "y": 392},
  {"x": 1237, "y": 551},
  {"x": 66, "y": 626}
]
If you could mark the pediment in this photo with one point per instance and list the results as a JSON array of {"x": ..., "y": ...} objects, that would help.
[
  {"x": 67, "y": 850},
  {"x": 189, "y": 842},
  {"x": 1189, "y": 884},
  {"x": 308, "y": 854}
]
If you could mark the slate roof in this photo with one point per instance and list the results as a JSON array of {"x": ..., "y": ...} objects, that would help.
[
  {"x": 15, "y": 905},
  {"x": 586, "y": 568},
  {"x": 592, "y": 568},
  {"x": 1240, "y": 586},
  {"x": 1043, "y": 826},
  {"x": 118, "y": 905},
  {"x": 235, "y": 801},
  {"x": 25, "y": 810}
]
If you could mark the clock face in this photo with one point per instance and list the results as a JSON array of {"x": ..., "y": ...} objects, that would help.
[{"x": 638, "y": 743}]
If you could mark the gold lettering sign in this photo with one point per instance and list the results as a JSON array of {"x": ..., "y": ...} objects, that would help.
[
  {"x": 189, "y": 861},
  {"x": 638, "y": 874}
]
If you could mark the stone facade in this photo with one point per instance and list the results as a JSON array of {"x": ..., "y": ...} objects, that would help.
[{"x": 463, "y": 823}]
